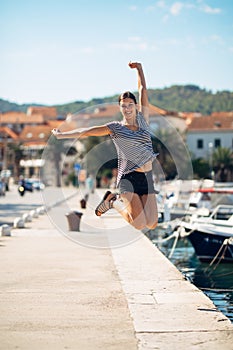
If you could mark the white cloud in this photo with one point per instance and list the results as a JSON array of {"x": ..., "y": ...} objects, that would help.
[
  {"x": 176, "y": 8},
  {"x": 161, "y": 4},
  {"x": 211, "y": 10},
  {"x": 217, "y": 38}
]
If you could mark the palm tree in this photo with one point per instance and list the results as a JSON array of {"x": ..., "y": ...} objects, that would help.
[
  {"x": 223, "y": 163},
  {"x": 201, "y": 168}
]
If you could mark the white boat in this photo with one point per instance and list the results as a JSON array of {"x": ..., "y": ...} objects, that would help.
[
  {"x": 222, "y": 215},
  {"x": 212, "y": 236}
]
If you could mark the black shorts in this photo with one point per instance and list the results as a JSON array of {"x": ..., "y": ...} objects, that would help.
[{"x": 137, "y": 182}]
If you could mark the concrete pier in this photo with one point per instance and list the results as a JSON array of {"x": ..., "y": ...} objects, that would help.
[{"x": 105, "y": 287}]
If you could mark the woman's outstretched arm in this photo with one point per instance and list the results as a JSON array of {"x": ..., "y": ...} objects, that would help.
[
  {"x": 142, "y": 90},
  {"x": 102, "y": 130}
]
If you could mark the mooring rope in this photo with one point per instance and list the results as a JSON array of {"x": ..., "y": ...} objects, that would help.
[{"x": 225, "y": 243}]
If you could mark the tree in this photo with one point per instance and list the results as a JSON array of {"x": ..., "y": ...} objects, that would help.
[
  {"x": 17, "y": 151},
  {"x": 223, "y": 163},
  {"x": 201, "y": 168}
]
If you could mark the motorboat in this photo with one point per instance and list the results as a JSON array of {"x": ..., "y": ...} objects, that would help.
[
  {"x": 221, "y": 215},
  {"x": 211, "y": 236}
]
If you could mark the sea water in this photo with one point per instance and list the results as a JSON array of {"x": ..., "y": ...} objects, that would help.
[{"x": 215, "y": 280}]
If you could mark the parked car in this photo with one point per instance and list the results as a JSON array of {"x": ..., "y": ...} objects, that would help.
[
  {"x": 36, "y": 184},
  {"x": 28, "y": 185}
]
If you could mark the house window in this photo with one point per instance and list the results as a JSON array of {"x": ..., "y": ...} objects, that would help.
[
  {"x": 200, "y": 144},
  {"x": 217, "y": 143}
]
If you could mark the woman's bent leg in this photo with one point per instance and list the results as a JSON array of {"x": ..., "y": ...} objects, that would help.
[
  {"x": 150, "y": 210},
  {"x": 131, "y": 208}
]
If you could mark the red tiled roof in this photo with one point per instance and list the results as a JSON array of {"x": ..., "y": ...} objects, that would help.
[
  {"x": 54, "y": 123},
  {"x": 211, "y": 122},
  {"x": 103, "y": 111},
  {"x": 36, "y": 133},
  {"x": 9, "y": 132},
  {"x": 45, "y": 111},
  {"x": 20, "y": 118},
  {"x": 62, "y": 125},
  {"x": 222, "y": 114}
]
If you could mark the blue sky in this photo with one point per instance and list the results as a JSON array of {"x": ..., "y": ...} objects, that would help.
[{"x": 59, "y": 51}]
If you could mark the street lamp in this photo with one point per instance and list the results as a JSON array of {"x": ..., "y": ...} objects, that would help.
[{"x": 211, "y": 159}]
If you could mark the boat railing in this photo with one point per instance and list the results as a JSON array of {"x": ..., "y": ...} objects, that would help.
[{"x": 222, "y": 212}]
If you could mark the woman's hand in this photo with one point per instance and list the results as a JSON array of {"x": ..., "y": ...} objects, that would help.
[
  {"x": 133, "y": 65},
  {"x": 68, "y": 134},
  {"x": 57, "y": 133}
]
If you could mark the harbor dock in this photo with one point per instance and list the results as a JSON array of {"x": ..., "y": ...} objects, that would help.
[{"x": 103, "y": 287}]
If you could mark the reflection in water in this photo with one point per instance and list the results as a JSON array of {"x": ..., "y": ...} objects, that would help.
[{"x": 215, "y": 281}]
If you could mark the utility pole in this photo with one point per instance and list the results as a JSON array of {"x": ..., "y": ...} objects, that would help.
[{"x": 211, "y": 160}]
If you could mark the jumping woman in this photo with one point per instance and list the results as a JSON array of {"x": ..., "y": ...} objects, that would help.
[{"x": 135, "y": 200}]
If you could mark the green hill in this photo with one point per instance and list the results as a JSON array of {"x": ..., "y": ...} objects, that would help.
[
  {"x": 190, "y": 98},
  {"x": 6, "y": 106},
  {"x": 185, "y": 98}
]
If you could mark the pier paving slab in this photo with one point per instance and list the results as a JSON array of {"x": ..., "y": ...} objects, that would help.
[
  {"x": 56, "y": 294},
  {"x": 105, "y": 287},
  {"x": 168, "y": 312}
]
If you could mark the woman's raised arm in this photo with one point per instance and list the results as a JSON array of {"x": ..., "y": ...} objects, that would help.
[{"x": 142, "y": 90}]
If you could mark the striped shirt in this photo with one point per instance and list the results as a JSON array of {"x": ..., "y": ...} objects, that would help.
[{"x": 134, "y": 148}]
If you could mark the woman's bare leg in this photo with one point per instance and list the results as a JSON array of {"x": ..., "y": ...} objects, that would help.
[
  {"x": 150, "y": 210},
  {"x": 139, "y": 211},
  {"x": 131, "y": 208}
]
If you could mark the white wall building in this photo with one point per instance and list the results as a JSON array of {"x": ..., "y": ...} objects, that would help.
[{"x": 206, "y": 133}]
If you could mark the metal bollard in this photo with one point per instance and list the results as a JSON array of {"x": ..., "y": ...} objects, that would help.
[
  {"x": 83, "y": 203},
  {"x": 5, "y": 230},
  {"x": 74, "y": 219}
]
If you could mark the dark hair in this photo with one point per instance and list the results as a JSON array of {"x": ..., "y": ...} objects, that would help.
[{"x": 127, "y": 94}]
